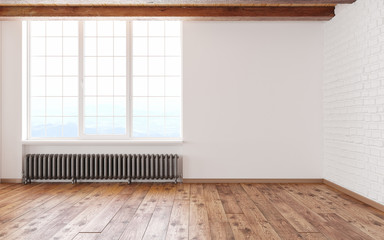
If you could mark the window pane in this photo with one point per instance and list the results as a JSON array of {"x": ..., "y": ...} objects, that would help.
[
  {"x": 105, "y": 28},
  {"x": 156, "y": 70},
  {"x": 70, "y": 28},
  {"x": 156, "y": 86},
  {"x": 37, "y": 86},
  {"x": 105, "y": 125},
  {"x": 120, "y": 66},
  {"x": 172, "y": 106},
  {"x": 70, "y": 46},
  {"x": 70, "y": 127},
  {"x": 37, "y": 28},
  {"x": 119, "y": 106},
  {"x": 172, "y": 127},
  {"x": 119, "y": 28},
  {"x": 105, "y": 47},
  {"x": 156, "y": 28},
  {"x": 54, "y": 46},
  {"x": 38, "y": 127},
  {"x": 38, "y": 44},
  {"x": 156, "y": 106},
  {"x": 54, "y": 106},
  {"x": 54, "y": 28},
  {"x": 120, "y": 86},
  {"x": 139, "y": 46},
  {"x": 54, "y": 126},
  {"x": 70, "y": 86},
  {"x": 37, "y": 66},
  {"x": 119, "y": 124},
  {"x": 172, "y": 46},
  {"x": 156, "y": 66},
  {"x": 105, "y": 66},
  {"x": 105, "y": 106},
  {"x": 172, "y": 66},
  {"x": 172, "y": 86},
  {"x": 140, "y": 66},
  {"x": 105, "y": 77},
  {"x": 156, "y": 46},
  {"x": 105, "y": 86},
  {"x": 54, "y": 79},
  {"x": 156, "y": 127},
  {"x": 172, "y": 28},
  {"x": 140, "y": 106},
  {"x": 90, "y": 28},
  {"x": 90, "y": 46},
  {"x": 70, "y": 106},
  {"x": 70, "y": 66},
  {"x": 120, "y": 47},
  {"x": 90, "y": 86},
  {"x": 139, "y": 28},
  {"x": 54, "y": 86},
  {"x": 140, "y": 126},
  {"x": 90, "y": 125},
  {"x": 90, "y": 66},
  {"x": 38, "y": 106},
  {"x": 90, "y": 104},
  {"x": 54, "y": 66},
  {"x": 140, "y": 86}
]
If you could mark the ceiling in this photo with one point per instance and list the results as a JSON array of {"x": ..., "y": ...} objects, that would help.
[{"x": 309, "y": 10}]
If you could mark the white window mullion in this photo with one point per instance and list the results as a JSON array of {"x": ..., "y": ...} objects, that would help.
[
  {"x": 147, "y": 76},
  {"x": 113, "y": 79},
  {"x": 28, "y": 80},
  {"x": 81, "y": 80},
  {"x": 97, "y": 78},
  {"x": 62, "y": 79},
  {"x": 45, "y": 81},
  {"x": 129, "y": 78},
  {"x": 164, "y": 57}
]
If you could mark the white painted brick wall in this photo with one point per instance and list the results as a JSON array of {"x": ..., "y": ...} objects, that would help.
[{"x": 354, "y": 98}]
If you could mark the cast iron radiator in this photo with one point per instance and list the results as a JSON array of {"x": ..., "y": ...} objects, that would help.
[{"x": 124, "y": 167}]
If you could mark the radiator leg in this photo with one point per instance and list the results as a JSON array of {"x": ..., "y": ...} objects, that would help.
[
  {"x": 175, "y": 180},
  {"x": 129, "y": 181},
  {"x": 25, "y": 181},
  {"x": 73, "y": 180}
]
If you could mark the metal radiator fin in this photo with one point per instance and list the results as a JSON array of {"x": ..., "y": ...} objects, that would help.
[{"x": 125, "y": 167}]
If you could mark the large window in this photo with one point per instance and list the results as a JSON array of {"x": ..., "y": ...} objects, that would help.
[{"x": 104, "y": 79}]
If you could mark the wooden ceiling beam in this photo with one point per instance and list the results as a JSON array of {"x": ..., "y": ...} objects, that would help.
[
  {"x": 232, "y": 13},
  {"x": 169, "y": 2}
]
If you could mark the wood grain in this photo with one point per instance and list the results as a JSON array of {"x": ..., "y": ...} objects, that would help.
[
  {"x": 120, "y": 221},
  {"x": 289, "y": 213},
  {"x": 179, "y": 220},
  {"x": 138, "y": 225},
  {"x": 241, "y": 227},
  {"x": 264, "y": 12},
  {"x": 184, "y": 211},
  {"x": 170, "y": 2},
  {"x": 281, "y": 226},
  {"x": 228, "y": 200}
]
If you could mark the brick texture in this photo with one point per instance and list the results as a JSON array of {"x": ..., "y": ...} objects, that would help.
[{"x": 353, "y": 98}]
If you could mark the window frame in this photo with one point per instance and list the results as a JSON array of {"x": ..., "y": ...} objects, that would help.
[{"x": 128, "y": 136}]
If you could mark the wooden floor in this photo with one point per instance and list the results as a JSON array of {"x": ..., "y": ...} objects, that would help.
[{"x": 184, "y": 211}]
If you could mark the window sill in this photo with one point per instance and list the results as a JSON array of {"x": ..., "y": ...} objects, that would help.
[{"x": 100, "y": 142}]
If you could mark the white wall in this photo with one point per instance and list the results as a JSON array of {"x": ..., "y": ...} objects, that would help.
[
  {"x": 252, "y": 103},
  {"x": 252, "y": 99},
  {"x": 1, "y": 74},
  {"x": 354, "y": 98},
  {"x": 11, "y": 100}
]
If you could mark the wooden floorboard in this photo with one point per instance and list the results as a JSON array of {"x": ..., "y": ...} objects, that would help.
[{"x": 184, "y": 211}]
